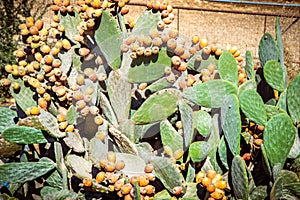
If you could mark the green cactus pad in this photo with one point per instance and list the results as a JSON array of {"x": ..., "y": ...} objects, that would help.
[
  {"x": 119, "y": 93},
  {"x": 167, "y": 172},
  {"x": 282, "y": 101},
  {"x": 214, "y": 141},
  {"x": 231, "y": 122},
  {"x": 160, "y": 84},
  {"x": 267, "y": 166},
  {"x": 191, "y": 192},
  {"x": 145, "y": 129},
  {"x": 74, "y": 141},
  {"x": 162, "y": 195},
  {"x": 48, "y": 192},
  {"x": 228, "y": 68},
  {"x": 169, "y": 136},
  {"x": 204, "y": 63},
  {"x": 239, "y": 178},
  {"x": 157, "y": 107},
  {"x": 259, "y": 192},
  {"x": 203, "y": 122},
  {"x": 23, "y": 135},
  {"x": 272, "y": 110},
  {"x": 134, "y": 165},
  {"x": 249, "y": 67},
  {"x": 50, "y": 124},
  {"x": 285, "y": 188},
  {"x": 279, "y": 136},
  {"x": 107, "y": 109},
  {"x": 70, "y": 23},
  {"x": 199, "y": 150},
  {"x": 23, "y": 97},
  {"x": 267, "y": 49},
  {"x": 97, "y": 148},
  {"x": 24, "y": 171},
  {"x": 281, "y": 50},
  {"x": 211, "y": 93},
  {"x": 207, "y": 165},
  {"x": 294, "y": 188},
  {"x": 72, "y": 115},
  {"x": 148, "y": 20},
  {"x": 293, "y": 99},
  {"x": 253, "y": 106},
  {"x": 286, "y": 184},
  {"x": 31, "y": 121},
  {"x": 109, "y": 39},
  {"x": 6, "y": 118},
  {"x": 295, "y": 150},
  {"x": 273, "y": 74},
  {"x": 222, "y": 150},
  {"x": 191, "y": 172},
  {"x": 288, "y": 176},
  {"x": 186, "y": 114},
  {"x": 67, "y": 59},
  {"x": 55, "y": 180},
  {"x": 81, "y": 168},
  {"x": 248, "y": 85},
  {"x": 145, "y": 70}
]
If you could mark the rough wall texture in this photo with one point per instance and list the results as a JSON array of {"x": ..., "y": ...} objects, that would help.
[{"x": 226, "y": 25}]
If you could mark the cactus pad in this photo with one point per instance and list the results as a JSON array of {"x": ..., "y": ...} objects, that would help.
[
  {"x": 274, "y": 76},
  {"x": 203, "y": 122},
  {"x": 186, "y": 114},
  {"x": 148, "y": 70},
  {"x": 23, "y": 135},
  {"x": 50, "y": 124},
  {"x": 81, "y": 167},
  {"x": 24, "y": 171},
  {"x": 228, "y": 68},
  {"x": 267, "y": 49},
  {"x": 24, "y": 97},
  {"x": 109, "y": 39},
  {"x": 119, "y": 92},
  {"x": 253, "y": 106},
  {"x": 70, "y": 23},
  {"x": 6, "y": 118},
  {"x": 279, "y": 136},
  {"x": 158, "y": 106},
  {"x": 199, "y": 150},
  {"x": 231, "y": 122},
  {"x": 239, "y": 178},
  {"x": 249, "y": 67},
  {"x": 293, "y": 99},
  {"x": 170, "y": 137},
  {"x": 211, "y": 93},
  {"x": 167, "y": 173}
]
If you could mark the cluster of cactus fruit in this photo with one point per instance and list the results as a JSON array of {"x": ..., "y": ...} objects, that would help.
[
  {"x": 113, "y": 180},
  {"x": 134, "y": 110}
]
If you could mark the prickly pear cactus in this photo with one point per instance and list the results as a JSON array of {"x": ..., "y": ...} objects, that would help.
[
  {"x": 117, "y": 108},
  {"x": 278, "y": 132}
]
